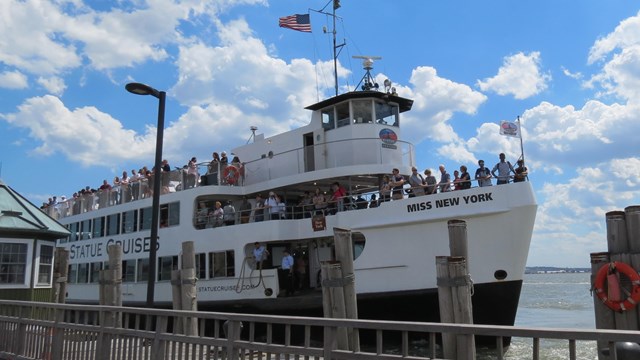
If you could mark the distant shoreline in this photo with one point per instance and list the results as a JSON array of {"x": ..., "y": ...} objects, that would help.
[{"x": 554, "y": 270}]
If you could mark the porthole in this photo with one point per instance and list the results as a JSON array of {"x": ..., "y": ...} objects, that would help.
[{"x": 500, "y": 274}]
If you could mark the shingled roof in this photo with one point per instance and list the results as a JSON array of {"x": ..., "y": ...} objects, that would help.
[{"x": 20, "y": 218}]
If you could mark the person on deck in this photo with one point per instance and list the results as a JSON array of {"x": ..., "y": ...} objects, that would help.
[
  {"x": 483, "y": 175},
  {"x": 287, "y": 271},
  {"x": 260, "y": 254},
  {"x": 504, "y": 169}
]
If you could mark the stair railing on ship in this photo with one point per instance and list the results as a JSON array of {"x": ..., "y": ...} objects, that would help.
[{"x": 61, "y": 331}]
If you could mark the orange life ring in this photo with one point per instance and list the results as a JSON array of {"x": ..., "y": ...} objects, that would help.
[
  {"x": 231, "y": 174},
  {"x": 599, "y": 286}
]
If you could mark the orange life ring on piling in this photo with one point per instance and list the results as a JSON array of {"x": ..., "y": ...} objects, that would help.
[
  {"x": 599, "y": 286},
  {"x": 231, "y": 174}
]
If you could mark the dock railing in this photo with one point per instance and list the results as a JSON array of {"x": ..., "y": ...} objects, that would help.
[{"x": 30, "y": 330}]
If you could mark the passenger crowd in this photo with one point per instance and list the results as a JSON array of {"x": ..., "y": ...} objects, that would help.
[
  {"x": 138, "y": 184},
  {"x": 219, "y": 213}
]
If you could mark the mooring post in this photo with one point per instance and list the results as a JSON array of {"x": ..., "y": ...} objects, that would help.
[
  {"x": 344, "y": 254},
  {"x": 189, "y": 289},
  {"x": 445, "y": 302},
  {"x": 462, "y": 309},
  {"x": 60, "y": 272},
  {"x": 458, "y": 245},
  {"x": 616, "y": 232},
  {"x": 632, "y": 217},
  {"x": 333, "y": 299},
  {"x": 603, "y": 315}
]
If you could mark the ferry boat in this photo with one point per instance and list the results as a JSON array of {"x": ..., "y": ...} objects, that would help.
[{"x": 353, "y": 139}]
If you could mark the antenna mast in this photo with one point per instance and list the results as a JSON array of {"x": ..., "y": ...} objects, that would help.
[{"x": 336, "y": 5}]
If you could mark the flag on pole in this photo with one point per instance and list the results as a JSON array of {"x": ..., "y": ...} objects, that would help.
[
  {"x": 296, "y": 22},
  {"x": 508, "y": 128}
]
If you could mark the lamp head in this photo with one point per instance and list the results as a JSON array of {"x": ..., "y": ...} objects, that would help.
[{"x": 142, "y": 89}]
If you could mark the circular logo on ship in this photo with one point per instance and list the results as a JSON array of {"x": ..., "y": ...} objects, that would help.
[{"x": 388, "y": 136}]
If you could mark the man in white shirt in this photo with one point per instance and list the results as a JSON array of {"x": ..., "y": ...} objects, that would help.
[{"x": 287, "y": 271}]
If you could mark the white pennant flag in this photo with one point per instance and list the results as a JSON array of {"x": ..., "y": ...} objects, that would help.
[{"x": 508, "y": 128}]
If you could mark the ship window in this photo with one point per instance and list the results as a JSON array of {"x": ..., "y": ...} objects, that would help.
[
  {"x": 128, "y": 270},
  {"x": 386, "y": 114},
  {"x": 73, "y": 228},
  {"x": 170, "y": 214},
  {"x": 145, "y": 218},
  {"x": 13, "y": 263},
  {"x": 113, "y": 224},
  {"x": 45, "y": 265},
  {"x": 83, "y": 273},
  {"x": 221, "y": 264},
  {"x": 94, "y": 272},
  {"x": 165, "y": 266},
  {"x": 362, "y": 111},
  {"x": 85, "y": 229},
  {"x": 143, "y": 269},
  {"x": 98, "y": 227},
  {"x": 328, "y": 119},
  {"x": 201, "y": 266},
  {"x": 358, "y": 244},
  {"x": 129, "y": 221},
  {"x": 72, "y": 274},
  {"x": 342, "y": 111}
]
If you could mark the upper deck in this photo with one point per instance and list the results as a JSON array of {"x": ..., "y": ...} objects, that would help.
[{"x": 352, "y": 134}]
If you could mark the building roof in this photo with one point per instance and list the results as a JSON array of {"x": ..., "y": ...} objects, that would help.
[{"x": 20, "y": 218}]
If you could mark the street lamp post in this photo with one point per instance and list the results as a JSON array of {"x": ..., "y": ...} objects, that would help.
[{"x": 142, "y": 89}]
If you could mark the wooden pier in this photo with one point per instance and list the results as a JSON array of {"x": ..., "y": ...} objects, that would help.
[{"x": 30, "y": 330}]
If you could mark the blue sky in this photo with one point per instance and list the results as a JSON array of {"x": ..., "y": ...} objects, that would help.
[{"x": 570, "y": 69}]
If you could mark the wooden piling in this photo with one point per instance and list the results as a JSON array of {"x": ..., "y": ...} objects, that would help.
[
  {"x": 603, "y": 315},
  {"x": 344, "y": 254},
  {"x": 458, "y": 239},
  {"x": 628, "y": 319},
  {"x": 333, "y": 299},
  {"x": 616, "y": 232},
  {"x": 60, "y": 273},
  {"x": 462, "y": 309},
  {"x": 632, "y": 217},
  {"x": 445, "y": 302},
  {"x": 189, "y": 290}
]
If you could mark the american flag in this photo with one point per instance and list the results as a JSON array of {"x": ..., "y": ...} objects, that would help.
[{"x": 296, "y": 22}]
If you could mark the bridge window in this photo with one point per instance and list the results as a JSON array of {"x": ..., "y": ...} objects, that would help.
[
  {"x": 362, "y": 111},
  {"x": 328, "y": 119},
  {"x": 387, "y": 114},
  {"x": 170, "y": 214},
  {"x": 342, "y": 112}
]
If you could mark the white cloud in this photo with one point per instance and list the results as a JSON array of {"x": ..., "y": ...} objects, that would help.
[
  {"x": 436, "y": 99},
  {"x": 31, "y": 38},
  {"x": 623, "y": 36},
  {"x": 54, "y": 85},
  {"x": 520, "y": 76},
  {"x": 84, "y": 135},
  {"x": 13, "y": 80}
]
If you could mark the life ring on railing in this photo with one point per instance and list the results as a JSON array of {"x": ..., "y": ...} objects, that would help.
[
  {"x": 610, "y": 300},
  {"x": 231, "y": 174}
]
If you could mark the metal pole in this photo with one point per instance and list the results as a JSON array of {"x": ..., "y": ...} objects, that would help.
[{"x": 155, "y": 204}]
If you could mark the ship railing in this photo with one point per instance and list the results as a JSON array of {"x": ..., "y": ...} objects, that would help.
[{"x": 32, "y": 330}]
